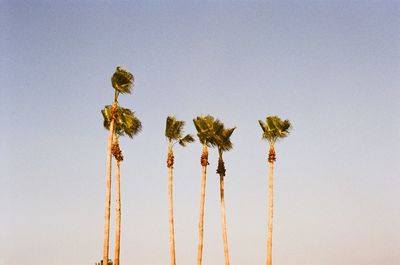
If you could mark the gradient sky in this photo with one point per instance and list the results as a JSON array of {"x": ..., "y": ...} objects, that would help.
[{"x": 331, "y": 67}]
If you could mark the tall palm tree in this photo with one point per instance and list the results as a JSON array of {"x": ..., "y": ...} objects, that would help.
[
  {"x": 126, "y": 123},
  {"x": 122, "y": 82},
  {"x": 223, "y": 142},
  {"x": 273, "y": 129},
  {"x": 206, "y": 134},
  {"x": 174, "y": 134}
]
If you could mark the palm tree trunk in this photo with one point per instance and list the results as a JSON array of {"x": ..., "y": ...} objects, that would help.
[
  {"x": 270, "y": 211},
  {"x": 117, "y": 213},
  {"x": 108, "y": 191},
  {"x": 204, "y": 163},
  {"x": 170, "y": 163},
  {"x": 223, "y": 218}
]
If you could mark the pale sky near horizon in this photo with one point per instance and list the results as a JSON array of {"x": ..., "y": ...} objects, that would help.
[{"x": 331, "y": 67}]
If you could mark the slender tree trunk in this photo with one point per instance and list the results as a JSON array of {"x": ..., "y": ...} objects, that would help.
[
  {"x": 204, "y": 163},
  {"x": 117, "y": 213},
  {"x": 271, "y": 160},
  {"x": 170, "y": 163},
  {"x": 108, "y": 191},
  {"x": 223, "y": 218}
]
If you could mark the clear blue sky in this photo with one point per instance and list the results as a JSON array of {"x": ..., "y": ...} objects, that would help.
[{"x": 331, "y": 67}]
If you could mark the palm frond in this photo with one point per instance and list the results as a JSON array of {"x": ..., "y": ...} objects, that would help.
[
  {"x": 185, "y": 140},
  {"x": 168, "y": 126},
  {"x": 272, "y": 122},
  {"x": 262, "y": 125},
  {"x": 106, "y": 112},
  {"x": 286, "y": 125},
  {"x": 222, "y": 138},
  {"x": 122, "y": 80},
  {"x": 205, "y": 129},
  {"x": 218, "y": 127},
  {"x": 174, "y": 131},
  {"x": 126, "y": 123},
  {"x": 230, "y": 131},
  {"x": 196, "y": 124}
]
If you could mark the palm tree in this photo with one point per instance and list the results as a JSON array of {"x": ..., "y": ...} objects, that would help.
[
  {"x": 174, "y": 134},
  {"x": 122, "y": 82},
  {"x": 206, "y": 134},
  {"x": 126, "y": 123},
  {"x": 223, "y": 142},
  {"x": 273, "y": 130}
]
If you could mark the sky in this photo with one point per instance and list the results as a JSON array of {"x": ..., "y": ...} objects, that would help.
[{"x": 331, "y": 67}]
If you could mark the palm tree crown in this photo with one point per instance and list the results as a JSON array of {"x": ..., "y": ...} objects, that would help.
[
  {"x": 206, "y": 127},
  {"x": 274, "y": 128},
  {"x": 174, "y": 132},
  {"x": 122, "y": 81},
  {"x": 222, "y": 136},
  {"x": 126, "y": 123},
  {"x": 223, "y": 142}
]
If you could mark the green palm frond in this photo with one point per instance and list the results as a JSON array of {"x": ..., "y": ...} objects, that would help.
[
  {"x": 218, "y": 127},
  {"x": 274, "y": 128},
  {"x": 229, "y": 131},
  {"x": 205, "y": 129},
  {"x": 122, "y": 80},
  {"x": 222, "y": 138},
  {"x": 174, "y": 132},
  {"x": 126, "y": 123},
  {"x": 185, "y": 140},
  {"x": 286, "y": 125},
  {"x": 174, "y": 128},
  {"x": 106, "y": 112},
  {"x": 169, "y": 123}
]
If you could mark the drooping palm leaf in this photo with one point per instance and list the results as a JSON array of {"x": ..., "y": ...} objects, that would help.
[
  {"x": 185, "y": 140},
  {"x": 106, "y": 112},
  {"x": 122, "y": 80}
]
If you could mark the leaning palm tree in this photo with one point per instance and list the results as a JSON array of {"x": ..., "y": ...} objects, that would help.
[
  {"x": 122, "y": 82},
  {"x": 126, "y": 123},
  {"x": 273, "y": 129},
  {"x": 223, "y": 142},
  {"x": 174, "y": 134},
  {"x": 206, "y": 134}
]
